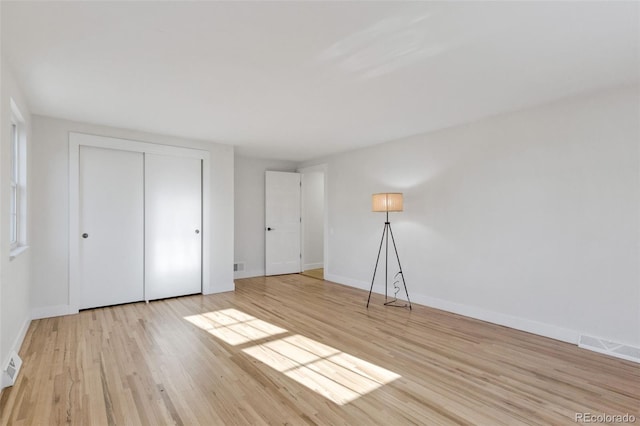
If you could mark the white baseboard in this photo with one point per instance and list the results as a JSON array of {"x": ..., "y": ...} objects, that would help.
[
  {"x": 17, "y": 343},
  {"x": 530, "y": 326},
  {"x": 52, "y": 311},
  {"x": 248, "y": 274},
  {"x": 60, "y": 310},
  {"x": 308, "y": 266}
]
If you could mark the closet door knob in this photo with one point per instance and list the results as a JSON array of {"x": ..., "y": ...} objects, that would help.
[
  {"x": 197, "y": 231},
  {"x": 85, "y": 235}
]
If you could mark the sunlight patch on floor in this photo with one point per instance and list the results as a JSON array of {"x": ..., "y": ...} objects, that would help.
[
  {"x": 335, "y": 375},
  {"x": 234, "y": 327}
]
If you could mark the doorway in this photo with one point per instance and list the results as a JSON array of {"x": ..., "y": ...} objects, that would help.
[
  {"x": 313, "y": 206},
  {"x": 296, "y": 222}
]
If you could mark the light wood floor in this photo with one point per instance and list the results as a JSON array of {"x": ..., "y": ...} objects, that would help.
[
  {"x": 314, "y": 273},
  {"x": 296, "y": 350}
]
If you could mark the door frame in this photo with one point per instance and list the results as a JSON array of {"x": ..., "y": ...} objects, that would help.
[
  {"x": 76, "y": 140},
  {"x": 325, "y": 247}
]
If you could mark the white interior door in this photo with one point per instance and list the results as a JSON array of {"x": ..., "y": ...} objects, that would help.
[
  {"x": 282, "y": 223},
  {"x": 173, "y": 226},
  {"x": 111, "y": 227}
]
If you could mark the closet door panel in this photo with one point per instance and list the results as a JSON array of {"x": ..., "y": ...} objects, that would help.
[
  {"x": 111, "y": 234},
  {"x": 173, "y": 226}
]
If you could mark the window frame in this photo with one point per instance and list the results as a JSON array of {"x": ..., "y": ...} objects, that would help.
[
  {"x": 17, "y": 183},
  {"x": 14, "y": 191}
]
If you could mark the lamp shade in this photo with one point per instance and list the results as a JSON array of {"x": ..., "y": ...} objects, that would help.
[{"x": 387, "y": 202}]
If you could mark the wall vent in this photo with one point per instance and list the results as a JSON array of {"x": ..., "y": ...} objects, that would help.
[
  {"x": 11, "y": 370},
  {"x": 238, "y": 267},
  {"x": 630, "y": 353}
]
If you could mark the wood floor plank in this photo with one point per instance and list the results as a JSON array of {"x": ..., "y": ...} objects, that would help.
[{"x": 298, "y": 350}]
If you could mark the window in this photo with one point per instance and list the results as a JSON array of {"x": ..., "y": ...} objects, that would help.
[
  {"x": 17, "y": 181},
  {"x": 13, "y": 202}
]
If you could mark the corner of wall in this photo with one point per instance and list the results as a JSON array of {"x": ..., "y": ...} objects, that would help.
[
  {"x": 52, "y": 311},
  {"x": 220, "y": 288}
]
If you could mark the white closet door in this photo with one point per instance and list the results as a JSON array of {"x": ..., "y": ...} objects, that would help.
[
  {"x": 173, "y": 226},
  {"x": 111, "y": 227},
  {"x": 282, "y": 223}
]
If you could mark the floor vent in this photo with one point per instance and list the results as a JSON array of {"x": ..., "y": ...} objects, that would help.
[
  {"x": 238, "y": 267},
  {"x": 11, "y": 370},
  {"x": 607, "y": 347}
]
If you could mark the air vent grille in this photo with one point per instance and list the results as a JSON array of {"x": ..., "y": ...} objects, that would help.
[
  {"x": 11, "y": 370},
  {"x": 630, "y": 353}
]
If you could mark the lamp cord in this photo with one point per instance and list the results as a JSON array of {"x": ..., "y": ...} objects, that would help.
[{"x": 396, "y": 286}]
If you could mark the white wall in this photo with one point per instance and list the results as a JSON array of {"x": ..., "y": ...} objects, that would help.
[
  {"x": 249, "y": 210},
  {"x": 50, "y": 198},
  {"x": 529, "y": 219},
  {"x": 15, "y": 314},
  {"x": 313, "y": 220}
]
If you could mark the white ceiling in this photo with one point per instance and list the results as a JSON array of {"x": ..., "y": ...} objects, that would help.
[{"x": 298, "y": 80}]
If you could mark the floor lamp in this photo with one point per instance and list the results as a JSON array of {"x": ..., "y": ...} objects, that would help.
[{"x": 385, "y": 203}]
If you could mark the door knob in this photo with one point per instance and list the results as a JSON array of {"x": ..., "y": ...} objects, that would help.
[
  {"x": 85, "y": 235},
  {"x": 197, "y": 231},
  {"x": 270, "y": 229}
]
